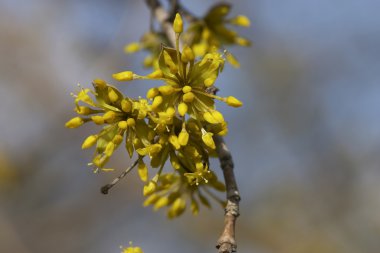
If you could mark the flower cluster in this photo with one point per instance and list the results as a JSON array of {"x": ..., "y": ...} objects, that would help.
[
  {"x": 204, "y": 35},
  {"x": 176, "y": 123},
  {"x": 131, "y": 249}
]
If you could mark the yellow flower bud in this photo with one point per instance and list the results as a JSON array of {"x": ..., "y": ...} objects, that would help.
[
  {"x": 240, "y": 20},
  {"x": 142, "y": 169},
  {"x": 123, "y": 76},
  {"x": 132, "y": 250},
  {"x": 156, "y": 102},
  {"x": 155, "y": 148},
  {"x": 131, "y": 122},
  {"x": 97, "y": 119},
  {"x": 132, "y": 47},
  {"x": 199, "y": 166},
  {"x": 177, "y": 208},
  {"x": 234, "y": 102},
  {"x": 186, "y": 89},
  {"x": 156, "y": 74},
  {"x": 166, "y": 90},
  {"x": 182, "y": 109},
  {"x": 208, "y": 82},
  {"x": 83, "y": 110},
  {"x": 187, "y": 54},
  {"x": 89, "y": 141},
  {"x": 208, "y": 140},
  {"x": 126, "y": 105},
  {"x": 218, "y": 116},
  {"x": 178, "y": 24},
  {"x": 122, "y": 124},
  {"x": 99, "y": 83},
  {"x": 149, "y": 188},
  {"x": 188, "y": 97},
  {"x": 109, "y": 116},
  {"x": 161, "y": 202},
  {"x": 117, "y": 139},
  {"x": 74, "y": 122},
  {"x": 170, "y": 111},
  {"x": 112, "y": 95},
  {"x": 137, "y": 250},
  {"x": 151, "y": 199},
  {"x": 109, "y": 149},
  {"x": 174, "y": 141},
  {"x": 210, "y": 118},
  {"x": 148, "y": 61},
  {"x": 152, "y": 93},
  {"x": 232, "y": 60},
  {"x": 242, "y": 42},
  {"x": 183, "y": 137}
]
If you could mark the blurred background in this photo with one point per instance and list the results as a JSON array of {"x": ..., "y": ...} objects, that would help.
[{"x": 306, "y": 143}]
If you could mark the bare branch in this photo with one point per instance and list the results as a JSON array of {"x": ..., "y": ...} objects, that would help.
[
  {"x": 226, "y": 242},
  {"x": 162, "y": 17},
  {"x": 107, "y": 187}
]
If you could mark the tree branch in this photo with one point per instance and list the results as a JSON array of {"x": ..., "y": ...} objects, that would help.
[
  {"x": 107, "y": 187},
  {"x": 226, "y": 242},
  {"x": 162, "y": 17}
]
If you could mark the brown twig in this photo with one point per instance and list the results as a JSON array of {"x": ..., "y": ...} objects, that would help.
[
  {"x": 107, "y": 187},
  {"x": 162, "y": 17},
  {"x": 226, "y": 242}
]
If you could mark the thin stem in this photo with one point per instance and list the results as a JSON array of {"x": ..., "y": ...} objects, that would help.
[
  {"x": 209, "y": 95},
  {"x": 174, "y": 7},
  {"x": 162, "y": 16},
  {"x": 107, "y": 187}
]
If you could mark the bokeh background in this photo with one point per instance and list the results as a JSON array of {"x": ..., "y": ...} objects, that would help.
[{"x": 306, "y": 144}]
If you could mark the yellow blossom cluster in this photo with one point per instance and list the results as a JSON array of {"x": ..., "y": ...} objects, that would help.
[
  {"x": 175, "y": 123},
  {"x": 204, "y": 35}
]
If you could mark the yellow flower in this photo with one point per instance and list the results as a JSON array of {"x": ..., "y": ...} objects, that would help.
[
  {"x": 89, "y": 141},
  {"x": 212, "y": 32},
  {"x": 150, "y": 42},
  {"x": 240, "y": 20},
  {"x": 207, "y": 139},
  {"x": 178, "y": 24},
  {"x": 123, "y": 76},
  {"x": 132, "y": 47},
  {"x": 74, "y": 122},
  {"x": 132, "y": 249},
  {"x": 118, "y": 116},
  {"x": 177, "y": 121},
  {"x": 232, "y": 101}
]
